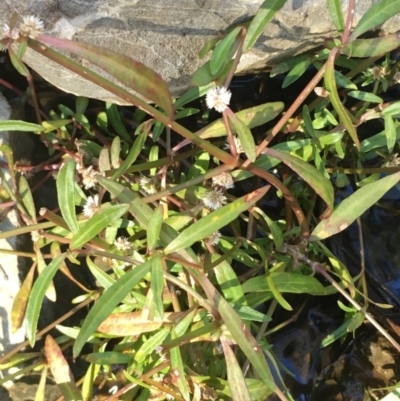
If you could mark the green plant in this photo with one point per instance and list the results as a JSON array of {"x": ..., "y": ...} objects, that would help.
[{"x": 169, "y": 306}]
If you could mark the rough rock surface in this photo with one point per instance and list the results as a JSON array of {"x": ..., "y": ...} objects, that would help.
[
  {"x": 167, "y": 34},
  {"x": 9, "y": 264}
]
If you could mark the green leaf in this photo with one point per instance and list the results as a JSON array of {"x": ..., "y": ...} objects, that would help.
[
  {"x": 114, "y": 119},
  {"x": 108, "y": 301},
  {"x": 224, "y": 51},
  {"x": 18, "y": 125},
  {"x": 151, "y": 344},
  {"x": 392, "y": 110},
  {"x": 27, "y": 198},
  {"x": 115, "y": 151},
  {"x": 141, "y": 131},
  {"x": 296, "y": 72},
  {"x": 210, "y": 45},
  {"x": 157, "y": 287},
  {"x": 241, "y": 334},
  {"x": 108, "y": 358},
  {"x": 154, "y": 228},
  {"x": 263, "y": 17},
  {"x": 237, "y": 384},
  {"x": 97, "y": 223},
  {"x": 377, "y": 14},
  {"x": 321, "y": 185},
  {"x": 245, "y": 136},
  {"x": 251, "y": 117},
  {"x": 17, "y": 63},
  {"x": 365, "y": 96},
  {"x": 125, "y": 69},
  {"x": 178, "y": 369},
  {"x": 287, "y": 65},
  {"x": 353, "y": 207},
  {"x": 335, "y": 9},
  {"x": 330, "y": 84},
  {"x": 390, "y": 131},
  {"x": 343, "y": 81},
  {"x": 214, "y": 221},
  {"x": 203, "y": 76},
  {"x": 65, "y": 189},
  {"x": 37, "y": 294},
  {"x": 372, "y": 47}
]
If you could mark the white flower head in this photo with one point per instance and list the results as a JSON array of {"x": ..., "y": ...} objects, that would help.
[
  {"x": 238, "y": 145},
  {"x": 224, "y": 180},
  {"x": 218, "y": 98},
  {"x": 396, "y": 78},
  {"x": 169, "y": 397},
  {"x": 88, "y": 177},
  {"x": 113, "y": 390},
  {"x": 91, "y": 206},
  {"x": 214, "y": 199},
  {"x": 10, "y": 33},
  {"x": 122, "y": 244},
  {"x": 214, "y": 238},
  {"x": 31, "y": 26}
]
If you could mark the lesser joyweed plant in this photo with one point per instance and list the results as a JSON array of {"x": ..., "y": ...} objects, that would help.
[{"x": 150, "y": 209}]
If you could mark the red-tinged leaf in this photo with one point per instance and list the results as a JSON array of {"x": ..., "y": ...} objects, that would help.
[
  {"x": 330, "y": 85},
  {"x": 353, "y": 207},
  {"x": 372, "y": 47},
  {"x": 237, "y": 384},
  {"x": 214, "y": 221},
  {"x": 132, "y": 323},
  {"x": 21, "y": 301},
  {"x": 321, "y": 185},
  {"x": 60, "y": 370},
  {"x": 128, "y": 71}
]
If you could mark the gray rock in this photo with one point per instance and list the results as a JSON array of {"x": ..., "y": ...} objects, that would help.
[
  {"x": 167, "y": 34},
  {"x": 10, "y": 265}
]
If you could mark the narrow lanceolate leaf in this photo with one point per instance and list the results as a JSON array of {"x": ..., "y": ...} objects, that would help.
[
  {"x": 21, "y": 301},
  {"x": 157, "y": 287},
  {"x": 365, "y": 96},
  {"x": 17, "y": 125},
  {"x": 372, "y": 47},
  {"x": 245, "y": 136},
  {"x": 353, "y": 207},
  {"x": 154, "y": 228},
  {"x": 240, "y": 333},
  {"x": 60, "y": 370},
  {"x": 142, "y": 131},
  {"x": 321, "y": 185},
  {"x": 224, "y": 51},
  {"x": 27, "y": 198},
  {"x": 214, "y": 221},
  {"x": 65, "y": 191},
  {"x": 96, "y": 224},
  {"x": 390, "y": 131},
  {"x": 37, "y": 294},
  {"x": 115, "y": 151},
  {"x": 330, "y": 85},
  {"x": 125, "y": 69},
  {"x": 107, "y": 302},
  {"x": 251, "y": 117},
  {"x": 377, "y": 14},
  {"x": 237, "y": 384},
  {"x": 17, "y": 63},
  {"x": 132, "y": 323},
  {"x": 40, "y": 392},
  {"x": 335, "y": 9},
  {"x": 178, "y": 370},
  {"x": 263, "y": 17}
]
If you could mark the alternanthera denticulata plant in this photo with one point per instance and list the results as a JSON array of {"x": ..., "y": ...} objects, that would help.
[{"x": 170, "y": 309}]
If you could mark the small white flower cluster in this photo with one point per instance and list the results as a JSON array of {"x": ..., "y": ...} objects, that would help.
[
  {"x": 122, "y": 244},
  {"x": 92, "y": 206},
  {"x": 30, "y": 26},
  {"x": 218, "y": 98},
  {"x": 147, "y": 185}
]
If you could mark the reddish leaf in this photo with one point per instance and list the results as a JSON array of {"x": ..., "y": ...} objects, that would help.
[{"x": 128, "y": 71}]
